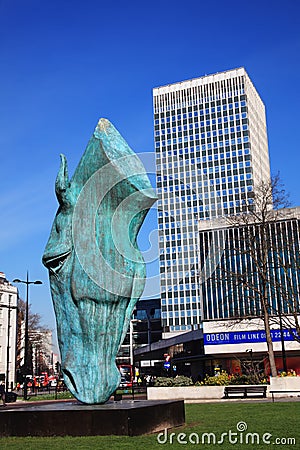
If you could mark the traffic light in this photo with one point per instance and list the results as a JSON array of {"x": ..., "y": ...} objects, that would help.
[{"x": 57, "y": 367}]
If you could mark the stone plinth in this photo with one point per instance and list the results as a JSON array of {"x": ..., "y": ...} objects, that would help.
[
  {"x": 285, "y": 384},
  {"x": 126, "y": 417}
]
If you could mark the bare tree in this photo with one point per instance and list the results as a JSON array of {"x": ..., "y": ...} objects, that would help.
[
  {"x": 36, "y": 333},
  {"x": 254, "y": 247}
]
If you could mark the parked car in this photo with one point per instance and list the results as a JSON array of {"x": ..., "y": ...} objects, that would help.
[{"x": 124, "y": 383}]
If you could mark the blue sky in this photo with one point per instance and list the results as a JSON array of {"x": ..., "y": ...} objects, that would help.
[{"x": 66, "y": 64}]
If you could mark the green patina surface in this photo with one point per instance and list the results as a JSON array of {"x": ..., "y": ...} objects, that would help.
[{"x": 96, "y": 270}]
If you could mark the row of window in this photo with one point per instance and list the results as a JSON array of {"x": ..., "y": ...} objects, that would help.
[
  {"x": 200, "y": 113},
  {"x": 207, "y": 123},
  {"x": 195, "y": 197},
  {"x": 217, "y": 208},
  {"x": 205, "y": 185},
  {"x": 207, "y": 215},
  {"x": 179, "y": 300},
  {"x": 207, "y": 146},
  {"x": 204, "y": 171},
  {"x": 172, "y": 251},
  {"x": 168, "y": 262},
  {"x": 171, "y": 294},
  {"x": 171, "y": 229},
  {"x": 217, "y": 181},
  {"x": 176, "y": 275},
  {"x": 185, "y": 249},
  {"x": 206, "y": 158},
  {"x": 178, "y": 327},
  {"x": 208, "y": 207},
  {"x": 221, "y": 98},
  {"x": 206, "y": 150},
  {"x": 188, "y": 152},
  {"x": 209, "y": 160},
  {"x": 214, "y": 123},
  {"x": 186, "y": 223},
  {"x": 206, "y": 137},
  {"x": 184, "y": 313}
]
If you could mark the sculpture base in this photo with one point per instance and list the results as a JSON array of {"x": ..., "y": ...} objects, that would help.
[{"x": 127, "y": 418}]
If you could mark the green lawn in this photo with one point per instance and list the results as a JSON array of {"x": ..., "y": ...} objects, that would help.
[{"x": 279, "y": 420}]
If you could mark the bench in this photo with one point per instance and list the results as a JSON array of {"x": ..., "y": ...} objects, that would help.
[
  {"x": 10, "y": 397},
  {"x": 243, "y": 391},
  {"x": 283, "y": 392}
]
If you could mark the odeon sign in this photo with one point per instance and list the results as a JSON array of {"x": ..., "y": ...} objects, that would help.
[{"x": 244, "y": 337}]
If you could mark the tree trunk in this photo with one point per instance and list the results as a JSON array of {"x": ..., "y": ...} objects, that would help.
[{"x": 269, "y": 343}]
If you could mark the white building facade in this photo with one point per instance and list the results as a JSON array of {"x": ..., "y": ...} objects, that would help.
[
  {"x": 43, "y": 358},
  {"x": 211, "y": 151},
  {"x": 8, "y": 331}
]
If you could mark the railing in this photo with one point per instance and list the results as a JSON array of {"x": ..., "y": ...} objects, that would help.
[
  {"x": 132, "y": 391},
  {"x": 33, "y": 391}
]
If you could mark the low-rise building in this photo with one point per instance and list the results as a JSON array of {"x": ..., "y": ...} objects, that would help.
[{"x": 8, "y": 331}]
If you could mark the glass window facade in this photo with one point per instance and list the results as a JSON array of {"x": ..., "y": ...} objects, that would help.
[
  {"x": 211, "y": 149},
  {"x": 231, "y": 286}
]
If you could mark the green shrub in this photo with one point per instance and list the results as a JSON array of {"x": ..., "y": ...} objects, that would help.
[
  {"x": 220, "y": 380},
  {"x": 181, "y": 380},
  {"x": 248, "y": 379},
  {"x": 163, "y": 382},
  {"x": 240, "y": 379}
]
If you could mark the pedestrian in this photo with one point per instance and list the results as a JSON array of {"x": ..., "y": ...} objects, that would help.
[{"x": 2, "y": 393}]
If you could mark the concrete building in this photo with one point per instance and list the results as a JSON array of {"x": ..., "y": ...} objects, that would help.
[
  {"x": 212, "y": 157},
  {"x": 231, "y": 294},
  {"x": 232, "y": 280},
  {"x": 145, "y": 329},
  {"x": 211, "y": 151},
  {"x": 8, "y": 331},
  {"x": 42, "y": 351},
  {"x": 233, "y": 337}
]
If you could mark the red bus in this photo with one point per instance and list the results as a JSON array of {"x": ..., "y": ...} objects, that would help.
[{"x": 126, "y": 375}]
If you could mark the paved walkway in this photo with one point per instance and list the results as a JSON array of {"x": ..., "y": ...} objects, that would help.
[{"x": 20, "y": 403}]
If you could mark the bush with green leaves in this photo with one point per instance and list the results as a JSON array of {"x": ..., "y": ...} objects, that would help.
[
  {"x": 223, "y": 379},
  {"x": 248, "y": 379},
  {"x": 220, "y": 380},
  {"x": 240, "y": 379},
  {"x": 163, "y": 382},
  {"x": 181, "y": 380}
]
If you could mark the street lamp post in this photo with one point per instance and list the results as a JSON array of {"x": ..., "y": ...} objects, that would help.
[
  {"x": 26, "y": 340},
  {"x": 283, "y": 353},
  {"x": 8, "y": 346}
]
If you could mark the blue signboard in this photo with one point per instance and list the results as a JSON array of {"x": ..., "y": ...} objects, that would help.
[
  {"x": 167, "y": 365},
  {"x": 244, "y": 337}
]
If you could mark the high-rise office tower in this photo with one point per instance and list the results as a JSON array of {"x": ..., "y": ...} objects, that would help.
[{"x": 211, "y": 151}]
